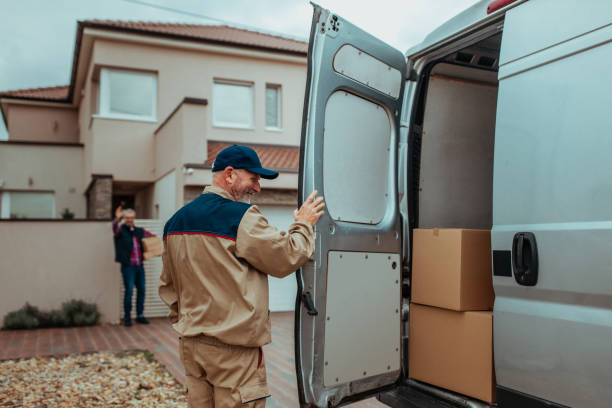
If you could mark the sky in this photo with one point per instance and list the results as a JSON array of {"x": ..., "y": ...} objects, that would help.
[{"x": 37, "y": 36}]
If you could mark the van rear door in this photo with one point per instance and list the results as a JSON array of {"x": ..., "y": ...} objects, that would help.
[{"x": 348, "y": 320}]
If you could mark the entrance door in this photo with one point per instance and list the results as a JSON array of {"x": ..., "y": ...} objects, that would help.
[
  {"x": 123, "y": 200},
  {"x": 349, "y": 299}
]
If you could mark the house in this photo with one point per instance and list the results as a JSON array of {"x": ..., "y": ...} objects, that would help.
[{"x": 148, "y": 107}]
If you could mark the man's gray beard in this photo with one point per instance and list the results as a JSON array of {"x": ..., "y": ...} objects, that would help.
[{"x": 245, "y": 199}]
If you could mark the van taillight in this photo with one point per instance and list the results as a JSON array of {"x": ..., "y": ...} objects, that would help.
[{"x": 497, "y": 4}]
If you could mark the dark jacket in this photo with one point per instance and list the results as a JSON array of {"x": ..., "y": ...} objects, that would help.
[{"x": 124, "y": 244}]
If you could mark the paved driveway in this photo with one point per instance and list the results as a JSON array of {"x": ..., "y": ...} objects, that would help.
[{"x": 159, "y": 338}]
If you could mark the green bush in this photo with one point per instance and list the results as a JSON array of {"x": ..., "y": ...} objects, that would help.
[
  {"x": 21, "y": 319},
  {"x": 80, "y": 313},
  {"x": 59, "y": 318},
  {"x": 72, "y": 313}
]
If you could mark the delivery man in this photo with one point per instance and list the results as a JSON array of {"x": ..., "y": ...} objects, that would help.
[{"x": 218, "y": 253}]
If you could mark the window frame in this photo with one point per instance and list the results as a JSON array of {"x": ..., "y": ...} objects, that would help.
[
  {"x": 5, "y": 204},
  {"x": 104, "y": 96},
  {"x": 279, "y": 107},
  {"x": 231, "y": 125}
]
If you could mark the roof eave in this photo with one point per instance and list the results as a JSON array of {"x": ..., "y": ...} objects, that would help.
[
  {"x": 131, "y": 30},
  {"x": 33, "y": 99}
]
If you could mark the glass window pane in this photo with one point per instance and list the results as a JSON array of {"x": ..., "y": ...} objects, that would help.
[
  {"x": 233, "y": 104},
  {"x": 131, "y": 93},
  {"x": 31, "y": 205},
  {"x": 273, "y": 106}
]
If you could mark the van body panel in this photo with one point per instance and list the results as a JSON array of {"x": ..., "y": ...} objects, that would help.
[
  {"x": 553, "y": 178},
  {"x": 468, "y": 20},
  {"x": 348, "y": 320},
  {"x": 550, "y": 23}
]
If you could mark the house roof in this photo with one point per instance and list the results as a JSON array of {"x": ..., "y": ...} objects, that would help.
[
  {"x": 215, "y": 34},
  {"x": 209, "y": 33},
  {"x": 280, "y": 158},
  {"x": 52, "y": 93}
]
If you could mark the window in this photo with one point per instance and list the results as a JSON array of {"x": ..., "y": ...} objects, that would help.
[
  {"x": 357, "y": 155},
  {"x": 128, "y": 94},
  {"x": 273, "y": 106},
  {"x": 233, "y": 104},
  {"x": 27, "y": 205}
]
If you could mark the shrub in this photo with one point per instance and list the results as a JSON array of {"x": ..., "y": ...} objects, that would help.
[
  {"x": 21, "y": 319},
  {"x": 59, "y": 318},
  {"x": 72, "y": 313},
  {"x": 67, "y": 214},
  {"x": 80, "y": 313}
]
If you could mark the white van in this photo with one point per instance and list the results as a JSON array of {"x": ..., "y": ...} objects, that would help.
[{"x": 501, "y": 119}]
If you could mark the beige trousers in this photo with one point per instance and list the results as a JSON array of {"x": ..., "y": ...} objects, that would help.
[{"x": 220, "y": 375}]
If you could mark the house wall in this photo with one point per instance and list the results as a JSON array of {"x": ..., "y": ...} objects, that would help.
[
  {"x": 80, "y": 265},
  {"x": 31, "y": 167},
  {"x": 123, "y": 148},
  {"x": 169, "y": 145},
  {"x": 126, "y": 149},
  {"x": 194, "y": 118},
  {"x": 181, "y": 139},
  {"x": 85, "y": 125},
  {"x": 164, "y": 197},
  {"x": 42, "y": 123},
  {"x": 203, "y": 177}
]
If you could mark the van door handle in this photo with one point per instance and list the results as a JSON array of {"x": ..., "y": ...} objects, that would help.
[
  {"x": 520, "y": 264},
  {"x": 525, "y": 258}
]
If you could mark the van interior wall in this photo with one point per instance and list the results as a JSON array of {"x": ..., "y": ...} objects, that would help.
[{"x": 456, "y": 174}]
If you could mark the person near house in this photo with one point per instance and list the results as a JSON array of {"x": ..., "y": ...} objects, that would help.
[
  {"x": 128, "y": 252},
  {"x": 218, "y": 253}
]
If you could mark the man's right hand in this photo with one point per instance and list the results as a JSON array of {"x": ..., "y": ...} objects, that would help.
[
  {"x": 311, "y": 210},
  {"x": 118, "y": 213}
]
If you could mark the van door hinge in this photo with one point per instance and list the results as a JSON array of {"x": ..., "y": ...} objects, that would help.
[{"x": 309, "y": 304}]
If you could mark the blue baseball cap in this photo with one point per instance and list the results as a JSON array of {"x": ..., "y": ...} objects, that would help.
[{"x": 242, "y": 157}]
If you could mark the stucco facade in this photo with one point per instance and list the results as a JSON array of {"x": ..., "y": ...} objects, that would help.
[
  {"x": 37, "y": 167},
  {"x": 43, "y": 123},
  {"x": 141, "y": 154},
  {"x": 62, "y": 143},
  {"x": 58, "y": 269}
]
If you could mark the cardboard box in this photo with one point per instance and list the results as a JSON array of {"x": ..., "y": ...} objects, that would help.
[
  {"x": 453, "y": 350},
  {"x": 151, "y": 247},
  {"x": 451, "y": 268}
]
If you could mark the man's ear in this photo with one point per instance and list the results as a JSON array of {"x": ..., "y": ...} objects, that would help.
[{"x": 227, "y": 174}]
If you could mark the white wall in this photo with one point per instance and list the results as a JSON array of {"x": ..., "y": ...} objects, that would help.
[
  {"x": 164, "y": 197},
  {"x": 46, "y": 263},
  {"x": 282, "y": 291},
  {"x": 57, "y": 169}
]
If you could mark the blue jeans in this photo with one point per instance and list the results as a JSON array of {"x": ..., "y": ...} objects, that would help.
[{"x": 133, "y": 275}]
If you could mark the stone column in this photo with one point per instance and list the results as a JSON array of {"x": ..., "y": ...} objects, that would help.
[{"x": 100, "y": 197}]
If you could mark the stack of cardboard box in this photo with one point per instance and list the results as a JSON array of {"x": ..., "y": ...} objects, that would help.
[{"x": 451, "y": 318}]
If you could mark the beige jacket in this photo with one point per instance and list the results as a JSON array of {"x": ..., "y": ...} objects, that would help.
[{"x": 217, "y": 256}]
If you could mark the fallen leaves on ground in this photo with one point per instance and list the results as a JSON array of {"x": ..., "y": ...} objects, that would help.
[{"x": 106, "y": 379}]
